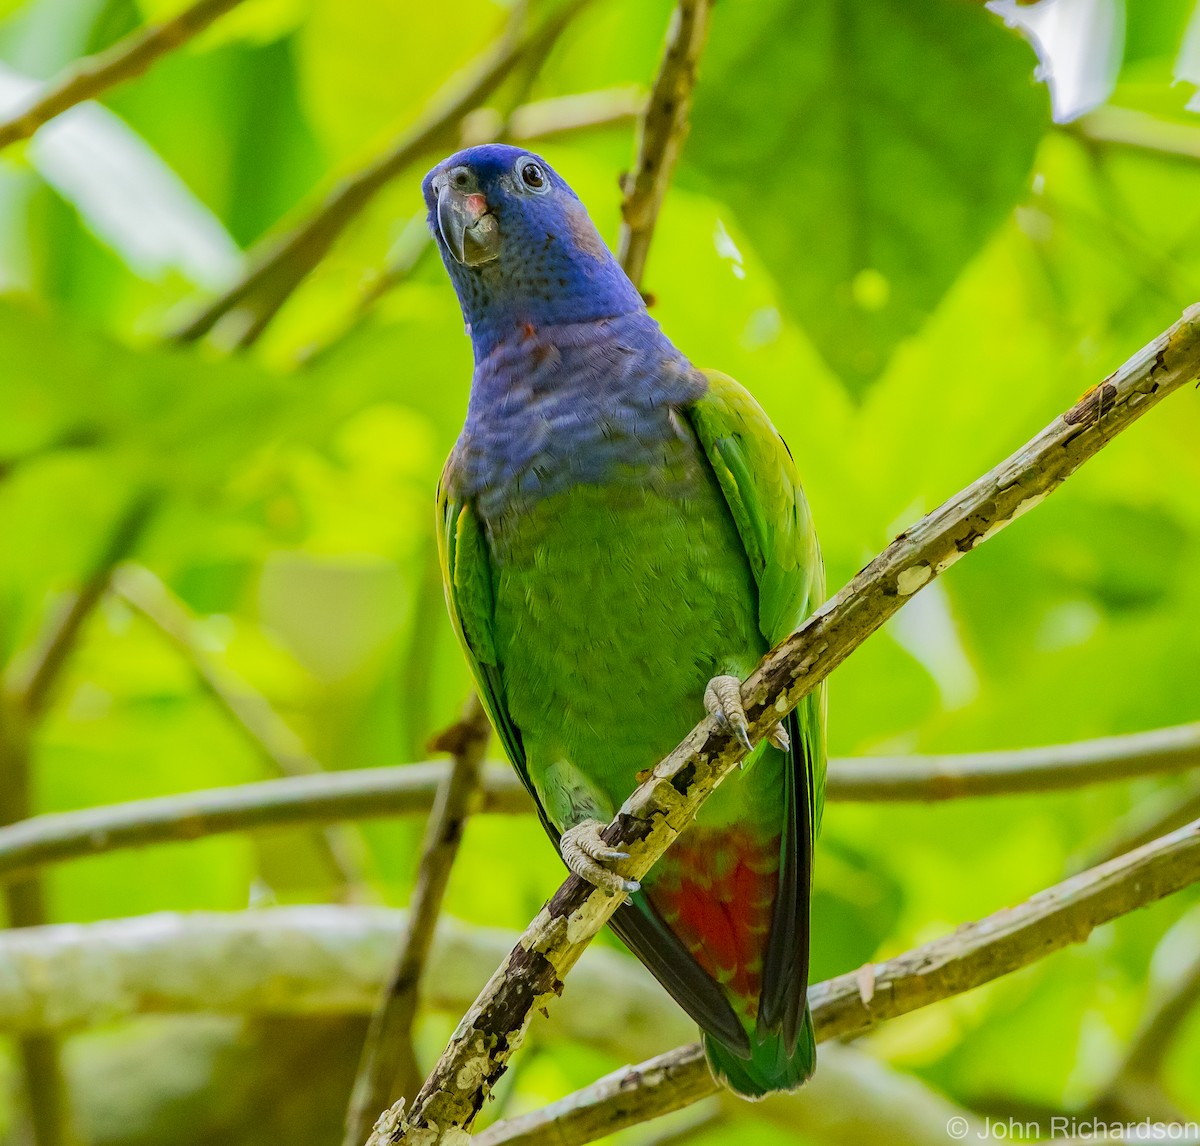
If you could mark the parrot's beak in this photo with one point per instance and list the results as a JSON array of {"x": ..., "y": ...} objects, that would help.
[{"x": 468, "y": 227}]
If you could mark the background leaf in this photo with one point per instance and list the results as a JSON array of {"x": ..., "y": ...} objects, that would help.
[{"x": 868, "y": 179}]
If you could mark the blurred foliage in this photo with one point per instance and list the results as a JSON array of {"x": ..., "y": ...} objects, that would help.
[{"x": 877, "y": 227}]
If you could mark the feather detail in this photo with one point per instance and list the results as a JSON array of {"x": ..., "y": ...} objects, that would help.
[{"x": 715, "y": 889}]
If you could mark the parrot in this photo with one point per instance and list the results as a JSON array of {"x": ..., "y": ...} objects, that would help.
[{"x": 622, "y": 536}]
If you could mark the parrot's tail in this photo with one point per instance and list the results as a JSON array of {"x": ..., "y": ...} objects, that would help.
[{"x": 770, "y": 1067}]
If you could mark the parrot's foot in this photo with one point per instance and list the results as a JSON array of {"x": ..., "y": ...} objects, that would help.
[
  {"x": 586, "y": 853},
  {"x": 723, "y": 699}
]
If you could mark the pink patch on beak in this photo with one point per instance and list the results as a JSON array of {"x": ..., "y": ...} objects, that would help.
[{"x": 477, "y": 205}]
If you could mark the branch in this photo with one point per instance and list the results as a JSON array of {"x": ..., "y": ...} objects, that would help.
[
  {"x": 35, "y": 685},
  {"x": 389, "y": 1062},
  {"x": 407, "y": 789},
  {"x": 1148, "y": 822},
  {"x": 851, "y": 1004},
  {"x": 664, "y": 128},
  {"x": 1153, "y": 1040},
  {"x": 303, "y": 960},
  {"x": 1043, "y": 769},
  {"x": 1135, "y": 1090},
  {"x": 125, "y": 60},
  {"x": 666, "y": 802},
  {"x": 332, "y": 960},
  {"x": 1139, "y": 131},
  {"x": 248, "y": 710},
  {"x": 281, "y": 268},
  {"x": 410, "y": 789},
  {"x": 558, "y": 116}
]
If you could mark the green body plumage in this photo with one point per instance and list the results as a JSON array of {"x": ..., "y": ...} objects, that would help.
[{"x": 610, "y": 607}]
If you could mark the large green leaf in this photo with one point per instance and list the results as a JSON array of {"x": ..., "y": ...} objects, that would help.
[
  {"x": 868, "y": 150},
  {"x": 1154, "y": 30}
]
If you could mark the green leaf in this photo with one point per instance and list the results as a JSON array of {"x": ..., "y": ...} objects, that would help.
[
  {"x": 868, "y": 150},
  {"x": 1154, "y": 30}
]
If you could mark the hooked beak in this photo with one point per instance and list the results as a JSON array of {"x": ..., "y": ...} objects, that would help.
[{"x": 468, "y": 227}]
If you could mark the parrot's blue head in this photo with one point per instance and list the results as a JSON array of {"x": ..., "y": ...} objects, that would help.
[{"x": 519, "y": 245}]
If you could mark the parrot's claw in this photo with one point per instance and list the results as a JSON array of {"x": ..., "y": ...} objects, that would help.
[
  {"x": 723, "y": 700},
  {"x": 585, "y": 853}
]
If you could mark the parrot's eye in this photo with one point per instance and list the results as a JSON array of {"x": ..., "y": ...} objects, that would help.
[{"x": 532, "y": 175}]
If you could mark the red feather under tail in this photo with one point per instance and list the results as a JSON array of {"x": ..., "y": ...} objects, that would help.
[{"x": 715, "y": 889}]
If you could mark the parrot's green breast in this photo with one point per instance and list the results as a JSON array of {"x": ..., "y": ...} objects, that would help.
[{"x": 615, "y": 603}]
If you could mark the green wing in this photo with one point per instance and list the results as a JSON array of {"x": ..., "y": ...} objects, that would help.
[
  {"x": 757, "y": 475},
  {"x": 467, "y": 577}
]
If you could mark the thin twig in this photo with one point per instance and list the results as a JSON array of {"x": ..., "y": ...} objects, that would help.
[
  {"x": 664, "y": 129},
  {"x": 1136, "y": 1090},
  {"x": 1149, "y": 821},
  {"x": 35, "y": 684},
  {"x": 974, "y": 954},
  {"x": 125, "y": 60},
  {"x": 286, "y": 262},
  {"x": 366, "y": 793},
  {"x": 410, "y": 789},
  {"x": 1153, "y": 1040},
  {"x": 1043, "y": 769},
  {"x": 248, "y": 710},
  {"x": 665, "y": 803},
  {"x": 1140, "y": 131},
  {"x": 389, "y": 1067},
  {"x": 558, "y": 116}
]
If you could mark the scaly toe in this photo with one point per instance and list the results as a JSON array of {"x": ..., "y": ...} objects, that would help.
[
  {"x": 779, "y": 737},
  {"x": 723, "y": 700},
  {"x": 585, "y": 852}
]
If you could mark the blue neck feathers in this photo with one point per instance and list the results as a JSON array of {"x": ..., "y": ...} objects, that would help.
[{"x": 558, "y": 405}]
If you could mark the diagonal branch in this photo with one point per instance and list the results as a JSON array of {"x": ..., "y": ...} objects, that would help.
[
  {"x": 281, "y": 268},
  {"x": 664, "y": 805},
  {"x": 389, "y": 1064},
  {"x": 664, "y": 129},
  {"x": 1149, "y": 821},
  {"x": 851, "y": 1004},
  {"x": 248, "y": 711},
  {"x": 1136, "y": 1085},
  {"x": 34, "y": 686},
  {"x": 125, "y": 60}
]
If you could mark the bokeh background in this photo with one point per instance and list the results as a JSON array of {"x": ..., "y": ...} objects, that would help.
[{"x": 908, "y": 244}]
